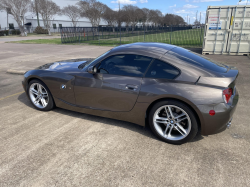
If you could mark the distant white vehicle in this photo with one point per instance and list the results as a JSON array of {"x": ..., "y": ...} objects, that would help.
[{"x": 196, "y": 27}]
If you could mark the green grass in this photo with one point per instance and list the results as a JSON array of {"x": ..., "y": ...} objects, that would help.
[
  {"x": 40, "y": 41},
  {"x": 35, "y": 34},
  {"x": 184, "y": 38}
]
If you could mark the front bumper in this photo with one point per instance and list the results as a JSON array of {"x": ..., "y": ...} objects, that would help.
[{"x": 222, "y": 118}]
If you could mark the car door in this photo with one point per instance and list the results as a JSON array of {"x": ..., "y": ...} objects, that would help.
[{"x": 120, "y": 77}]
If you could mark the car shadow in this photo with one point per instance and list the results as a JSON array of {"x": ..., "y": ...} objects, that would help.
[{"x": 123, "y": 124}]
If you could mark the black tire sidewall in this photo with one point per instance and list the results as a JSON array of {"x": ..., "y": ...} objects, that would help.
[
  {"x": 51, "y": 101},
  {"x": 194, "y": 125}
]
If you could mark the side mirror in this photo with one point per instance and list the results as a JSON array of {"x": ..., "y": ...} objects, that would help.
[{"x": 92, "y": 70}]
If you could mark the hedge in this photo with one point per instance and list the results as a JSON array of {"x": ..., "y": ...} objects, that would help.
[
  {"x": 5, "y": 32},
  {"x": 40, "y": 30}
]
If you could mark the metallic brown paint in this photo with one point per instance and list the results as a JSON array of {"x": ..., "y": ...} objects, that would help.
[{"x": 107, "y": 95}]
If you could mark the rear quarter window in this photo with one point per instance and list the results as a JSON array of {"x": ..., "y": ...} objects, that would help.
[
  {"x": 198, "y": 60},
  {"x": 162, "y": 70}
]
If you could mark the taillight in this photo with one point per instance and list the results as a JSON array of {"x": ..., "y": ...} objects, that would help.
[{"x": 227, "y": 93}]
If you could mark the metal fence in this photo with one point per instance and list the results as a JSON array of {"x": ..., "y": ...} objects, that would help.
[{"x": 177, "y": 35}]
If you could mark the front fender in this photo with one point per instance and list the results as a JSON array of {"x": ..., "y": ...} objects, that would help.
[{"x": 54, "y": 81}]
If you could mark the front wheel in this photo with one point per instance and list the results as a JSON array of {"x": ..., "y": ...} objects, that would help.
[
  {"x": 173, "y": 122},
  {"x": 40, "y": 95}
]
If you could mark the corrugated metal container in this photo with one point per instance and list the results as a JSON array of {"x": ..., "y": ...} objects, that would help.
[{"x": 227, "y": 30}]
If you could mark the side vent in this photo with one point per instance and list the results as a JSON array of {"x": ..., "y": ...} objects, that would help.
[{"x": 81, "y": 66}]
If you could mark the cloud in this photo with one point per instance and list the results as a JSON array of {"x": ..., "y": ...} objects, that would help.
[
  {"x": 243, "y": 3},
  {"x": 173, "y": 6},
  {"x": 202, "y": 1},
  {"x": 183, "y": 11},
  {"x": 187, "y": 1},
  {"x": 129, "y": 2},
  {"x": 189, "y": 6},
  {"x": 126, "y": 2}
]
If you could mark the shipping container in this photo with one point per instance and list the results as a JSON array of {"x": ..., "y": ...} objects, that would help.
[{"x": 227, "y": 30}]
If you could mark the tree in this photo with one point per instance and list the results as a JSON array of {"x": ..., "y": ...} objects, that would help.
[
  {"x": 93, "y": 10},
  {"x": 47, "y": 9},
  {"x": 146, "y": 17},
  {"x": 110, "y": 17},
  {"x": 124, "y": 18},
  {"x": 179, "y": 20},
  {"x": 1, "y": 6},
  {"x": 131, "y": 15},
  {"x": 18, "y": 9},
  {"x": 73, "y": 12},
  {"x": 118, "y": 16},
  {"x": 172, "y": 19},
  {"x": 157, "y": 17},
  {"x": 196, "y": 22}
]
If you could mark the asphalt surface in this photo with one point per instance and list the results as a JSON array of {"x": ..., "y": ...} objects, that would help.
[{"x": 65, "y": 148}]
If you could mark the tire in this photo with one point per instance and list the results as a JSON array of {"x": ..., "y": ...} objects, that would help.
[
  {"x": 40, "y": 100},
  {"x": 171, "y": 129}
]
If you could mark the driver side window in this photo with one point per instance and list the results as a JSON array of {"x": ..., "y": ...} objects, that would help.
[{"x": 125, "y": 65}]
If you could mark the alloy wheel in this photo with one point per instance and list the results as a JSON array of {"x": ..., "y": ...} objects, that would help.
[
  {"x": 172, "y": 122},
  {"x": 38, "y": 95}
]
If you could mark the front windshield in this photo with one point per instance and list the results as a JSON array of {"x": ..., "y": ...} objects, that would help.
[{"x": 96, "y": 59}]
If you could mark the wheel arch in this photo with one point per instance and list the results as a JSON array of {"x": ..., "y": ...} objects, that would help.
[
  {"x": 189, "y": 104},
  {"x": 33, "y": 78},
  {"x": 38, "y": 78}
]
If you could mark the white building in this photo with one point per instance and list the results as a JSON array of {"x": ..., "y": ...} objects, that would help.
[{"x": 31, "y": 22}]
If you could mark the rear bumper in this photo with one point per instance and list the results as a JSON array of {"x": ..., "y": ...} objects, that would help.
[{"x": 222, "y": 118}]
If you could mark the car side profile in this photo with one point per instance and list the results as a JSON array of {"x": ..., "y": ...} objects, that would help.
[{"x": 174, "y": 90}]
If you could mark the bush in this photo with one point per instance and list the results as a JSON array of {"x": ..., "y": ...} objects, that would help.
[
  {"x": 15, "y": 32},
  {"x": 40, "y": 30},
  {"x": 5, "y": 32}
]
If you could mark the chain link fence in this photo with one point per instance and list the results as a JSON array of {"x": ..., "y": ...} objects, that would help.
[{"x": 185, "y": 36}]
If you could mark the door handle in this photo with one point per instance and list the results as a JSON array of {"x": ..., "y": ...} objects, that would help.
[{"x": 131, "y": 87}]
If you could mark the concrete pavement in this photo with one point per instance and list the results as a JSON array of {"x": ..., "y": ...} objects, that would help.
[
  {"x": 4, "y": 39},
  {"x": 19, "y": 58},
  {"x": 65, "y": 148}
]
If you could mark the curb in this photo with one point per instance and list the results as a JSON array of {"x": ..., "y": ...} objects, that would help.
[{"x": 16, "y": 71}]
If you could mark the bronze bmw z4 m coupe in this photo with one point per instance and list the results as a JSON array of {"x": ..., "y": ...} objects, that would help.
[{"x": 175, "y": 91}]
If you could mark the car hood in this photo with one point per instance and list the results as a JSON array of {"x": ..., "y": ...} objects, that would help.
[{"x": 71, "y": 65}]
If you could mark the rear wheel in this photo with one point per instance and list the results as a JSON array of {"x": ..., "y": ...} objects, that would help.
[
  {"x": 40, "y": 95},
  {"x": 173, "y": 122}
]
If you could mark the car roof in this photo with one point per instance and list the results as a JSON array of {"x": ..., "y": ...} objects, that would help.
[{"x": 144, "y": 47}]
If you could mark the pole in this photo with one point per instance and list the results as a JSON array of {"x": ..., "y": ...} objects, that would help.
[
  {"x": 144, "y": 33},
  {"x": 37, "y": 16},
  {"x": 98, "y": 36},
  {"x": 200, "y": 28},
  {"x": 7, "y": 19},
  {"x": 120, "y": 34},
  {"x": 200, "y": 34},
  {"x": 196, "y": 18},
  {"x": 170, "y": 34},
  {"x": 200, "y": 18}
]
